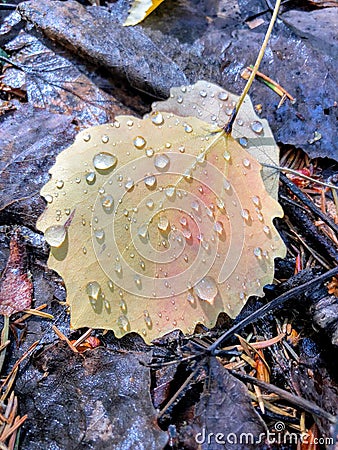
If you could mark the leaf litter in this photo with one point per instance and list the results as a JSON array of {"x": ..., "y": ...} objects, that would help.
[
  {"x": 53, "y": 83},
  {"x": 268, "y": 322}
]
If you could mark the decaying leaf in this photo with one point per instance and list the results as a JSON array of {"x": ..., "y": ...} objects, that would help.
[
  {"x": 214, "y": 105},
  {"x": 16, "y": 287},
  {"x": 75, "y": 95},
  {"x": 159, "y": 224},
  {"x": 86, "y": 402},
  {"x": 140, "y": 9},
  {"x": 225, "y": 412}
]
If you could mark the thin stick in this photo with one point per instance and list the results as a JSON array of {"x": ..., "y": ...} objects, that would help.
[
  {"x": 174, "y": 398},
  {"x": 229, "y": 125},
  {"x": 300, "y": 175}
]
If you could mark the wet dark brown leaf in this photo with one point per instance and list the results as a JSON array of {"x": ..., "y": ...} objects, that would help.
[
  {"x": 97, "y": 400},
  {"x": 26, "y": 151},
  {"x": 16, "y": 287},
  {"x": 225, "y": 407},
  {"x": 126, "y": 52},
  {"x": 54, "y": 83}
]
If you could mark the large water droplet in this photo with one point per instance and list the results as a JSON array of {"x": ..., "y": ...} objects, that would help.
[
  {"x": 93, "y": 290},
  {"x": 138, "y": 281},
  {"x": 183, "y": 221},
  {"x": 55, "y": 235},
  {"x": 157, "y": 118},
  {"x": 49, "y": 198},
  {"x": 256, "y": 201},
  {"x": 188, "y": 128},
  {"x": 107, "y": 203},
  {"x": 246, "y": 162},
  {"x": 170, "y": 191},
  {"x": 226, "y": 155},
  {"x": 149, "y": 152},
  {"x": 226, "y": 185},
  {"x": 258, "y": 252},
  {"x": 123, "y": 322},
  {"x": 266, "y": 229},
  {"x": 147, "y": 319},
  {"x": 218, "y": 227},
  {"x": 245, "y": 214},
  {"x": 143, "y": 231},
  {"x": 206, "y": 289},
  {"x": 105, "y": 139},
  {"x": 118, "y": 268},
  {"x": 59, "y": 184},
  {"x": 243, "y": 142},
  {"x": 191, "y": 298},
  {"x": 139, "y": 142},
  {"x": 104, "y": 161},
  {"x": 161, "y": 161},
  {"x": 163, "y": 224},
  {"x": 223, "y": 96},
  {"x": 129, "y": 184},
  {"x": 99, "y": 234},
  {"x": 257, "y": 127},
  {"x": 150, "y": 181},
  {"x": 90, "y": 177},
  {"x": 195, "y": 206}
]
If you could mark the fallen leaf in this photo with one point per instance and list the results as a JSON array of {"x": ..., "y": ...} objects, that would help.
[
  {"x": 16, "y": 287},
  {"x": 140, "y": 9},
  {"x": 158, "y": 224},
  {"x": 98, "y": 399},
  {"x": 54, "y": 83},
  {"x": 214, "y": 105},
  {"x": 26, "y": 149},
  {"x": 224, "y": 415},
  {"x": 91, "y": 33}
]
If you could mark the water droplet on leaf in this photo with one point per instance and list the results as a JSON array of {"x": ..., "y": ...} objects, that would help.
[
  {"x": 104, "y": 161},
  {"x": 206, "y": 289},
  {"x": 55, "y": 235},
  {"x": 161, "y": 161},
  {"x": 139, "y": 142}
]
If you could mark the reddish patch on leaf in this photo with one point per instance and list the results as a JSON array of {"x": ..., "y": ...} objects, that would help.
[{"x": 16, "y": 287}]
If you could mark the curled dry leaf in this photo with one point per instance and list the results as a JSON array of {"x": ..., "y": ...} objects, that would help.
[
  {"x": 159, "y": 224},
  {"x": 16, "y": 287}
]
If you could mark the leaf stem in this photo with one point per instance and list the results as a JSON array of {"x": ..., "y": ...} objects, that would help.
[{"x": 229, "y": 125}]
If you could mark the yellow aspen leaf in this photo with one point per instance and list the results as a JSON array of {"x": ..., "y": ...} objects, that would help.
[
  {"x": 158, "y": 224},
  {"x": 214, "y": 105},
  {"x": 140, "y": 9}
]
